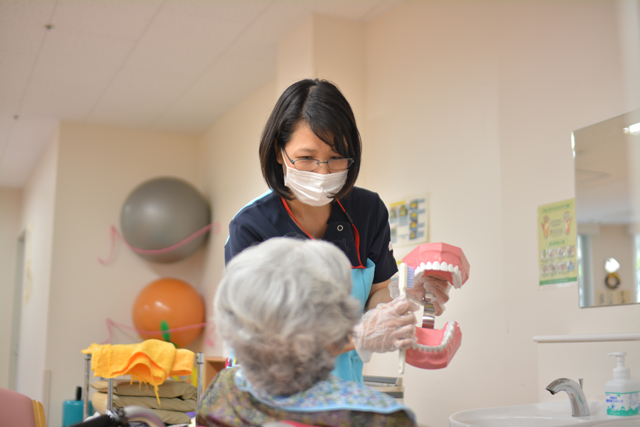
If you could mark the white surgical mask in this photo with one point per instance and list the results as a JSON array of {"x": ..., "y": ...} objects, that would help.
[{"x": 314, "y": 189}]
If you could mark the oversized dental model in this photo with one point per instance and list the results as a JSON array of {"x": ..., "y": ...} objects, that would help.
[{"x": 435, "y": 347}]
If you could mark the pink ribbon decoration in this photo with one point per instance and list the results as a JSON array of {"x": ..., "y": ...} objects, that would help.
[
  {"x": 115, "y": 233},
  {"x": 110, "y": 322}
]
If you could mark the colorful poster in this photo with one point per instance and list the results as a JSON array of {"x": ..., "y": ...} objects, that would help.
[
  {"x": 408, "y": 220},
  {"x": 557, "y": 243}
]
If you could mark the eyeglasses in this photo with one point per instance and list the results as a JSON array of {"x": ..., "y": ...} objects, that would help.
[{"x": 309, "y": 165}]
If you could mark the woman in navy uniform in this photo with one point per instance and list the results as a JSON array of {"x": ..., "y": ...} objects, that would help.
[{"x": 310, "y": 153}]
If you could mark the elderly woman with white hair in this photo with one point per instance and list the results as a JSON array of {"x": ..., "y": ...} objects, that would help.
[{"x": 285, "y": 308}]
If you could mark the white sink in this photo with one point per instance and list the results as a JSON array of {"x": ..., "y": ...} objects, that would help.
[{"x": 546, "y": 414}]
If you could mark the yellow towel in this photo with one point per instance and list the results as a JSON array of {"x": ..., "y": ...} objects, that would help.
[{"x": 150, "y": 361}]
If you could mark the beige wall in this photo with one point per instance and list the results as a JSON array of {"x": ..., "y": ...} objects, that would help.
[
  {"x": 433, "y": 109},
  {"x": 37, "y": 220},
  {"x": 470, "y": 102},
  {"x": 474, "y": 103},
  {"x": 328, "y": 48},
  {"x": 98, "y": 167},
  {"x": 232, "y": 177},
  {"x": 10, "y": 205}
]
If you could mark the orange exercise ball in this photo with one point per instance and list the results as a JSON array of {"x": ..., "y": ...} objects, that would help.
[{"x": 169, "y": 304}]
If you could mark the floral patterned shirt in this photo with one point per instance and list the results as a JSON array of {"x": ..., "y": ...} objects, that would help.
[{"x": 231, "y": 401}]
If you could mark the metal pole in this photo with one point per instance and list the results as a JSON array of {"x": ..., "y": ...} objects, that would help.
[
  {"x": 110, "y": 395},
  {"x": 87, "y": 369},
  {"x": 200, "y": 370}
]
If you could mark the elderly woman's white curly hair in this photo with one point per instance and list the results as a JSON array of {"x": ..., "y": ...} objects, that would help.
[{"x": 282, "y": 305}]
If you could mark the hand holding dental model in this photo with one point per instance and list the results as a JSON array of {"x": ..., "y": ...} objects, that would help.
[
  {"x": 388, "y": 327},
  {"x": 435, "y": 288}
]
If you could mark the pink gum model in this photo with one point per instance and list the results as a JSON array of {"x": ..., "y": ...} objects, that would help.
[{"x": 436, "y": 347}]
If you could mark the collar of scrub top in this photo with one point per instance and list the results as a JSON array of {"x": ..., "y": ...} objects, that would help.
[{"x": 355, "y": 230}]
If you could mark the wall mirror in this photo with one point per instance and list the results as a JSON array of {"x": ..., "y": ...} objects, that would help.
[{"x": 607, "y": 170}]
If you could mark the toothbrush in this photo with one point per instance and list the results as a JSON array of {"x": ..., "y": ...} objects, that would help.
[{"x": 405, "y": 280}]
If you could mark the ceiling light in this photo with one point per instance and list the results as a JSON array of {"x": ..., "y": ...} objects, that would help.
[
  {"x": 633, "y": 129},
  {"x": 611, "y": 265}
]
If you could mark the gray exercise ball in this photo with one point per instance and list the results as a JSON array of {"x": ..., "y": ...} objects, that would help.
[{"x": 162, "y": 212}]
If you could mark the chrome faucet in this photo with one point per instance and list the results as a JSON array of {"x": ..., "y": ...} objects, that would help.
[{"x": 579, "y": 405}]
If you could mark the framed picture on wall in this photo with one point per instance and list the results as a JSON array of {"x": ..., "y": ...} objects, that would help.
[{"x": 409, "y": 221}]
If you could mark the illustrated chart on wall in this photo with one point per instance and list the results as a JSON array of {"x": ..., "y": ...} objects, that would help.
[
  {"x": 408, "y": 220},
  {"x": 557, "y": 243}
]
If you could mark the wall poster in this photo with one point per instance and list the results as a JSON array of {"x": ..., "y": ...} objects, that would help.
[
  {"x": 557, "y": 243},
  {"x": 408, "y": 220}
]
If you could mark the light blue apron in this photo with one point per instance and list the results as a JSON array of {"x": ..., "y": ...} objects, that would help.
[{"x": 349, "y": 365}]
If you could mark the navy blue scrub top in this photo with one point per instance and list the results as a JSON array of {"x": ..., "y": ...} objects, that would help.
[{"x": 266, "y": 217}]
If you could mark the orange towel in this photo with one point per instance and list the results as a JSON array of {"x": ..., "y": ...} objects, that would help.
[{"x": 150, "y": 361}]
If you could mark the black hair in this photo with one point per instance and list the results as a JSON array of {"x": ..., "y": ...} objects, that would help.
[{"x": 322, "y": 106}]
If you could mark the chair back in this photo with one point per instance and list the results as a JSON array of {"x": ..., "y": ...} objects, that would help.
[
  {"x": 19, "y": 410},
  {"x": 38, "y": 412}
]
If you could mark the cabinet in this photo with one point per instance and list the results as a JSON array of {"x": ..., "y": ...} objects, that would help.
[{"x": 212, "y": 365}]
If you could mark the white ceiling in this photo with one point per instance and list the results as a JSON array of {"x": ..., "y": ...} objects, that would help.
[{"x": 173, "y": 65}]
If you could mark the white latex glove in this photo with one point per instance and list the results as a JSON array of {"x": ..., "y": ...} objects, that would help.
[
  {"x": 434, "y": 288},
  {"x": 416, "y": 293},
  {"x": 388, "y": 327}
]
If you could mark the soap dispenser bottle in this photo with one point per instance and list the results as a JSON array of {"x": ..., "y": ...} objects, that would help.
[{"x": 622, "y": 392}]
